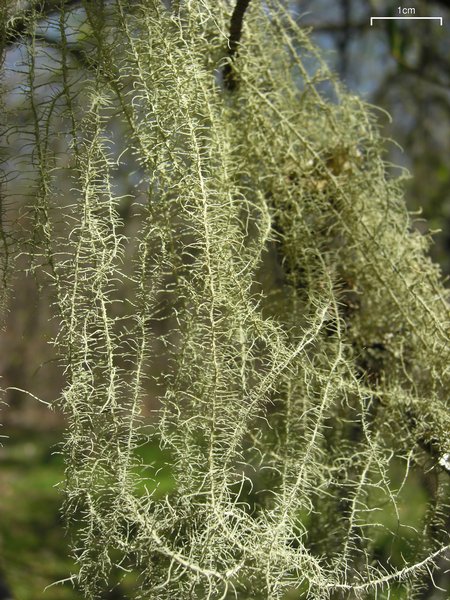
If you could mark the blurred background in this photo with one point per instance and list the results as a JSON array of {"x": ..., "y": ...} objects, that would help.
[{"x": 401, "y": 66}]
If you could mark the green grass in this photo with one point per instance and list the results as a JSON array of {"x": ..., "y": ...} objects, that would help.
[{"x": 34, "y": 547}]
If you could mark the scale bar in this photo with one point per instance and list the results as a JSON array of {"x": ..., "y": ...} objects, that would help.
[{"x": 372, "y": 19}]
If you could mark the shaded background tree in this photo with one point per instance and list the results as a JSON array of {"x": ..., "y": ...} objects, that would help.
[{"x": 84, "y": 54}]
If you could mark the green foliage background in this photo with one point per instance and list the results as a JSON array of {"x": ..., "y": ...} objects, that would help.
[{"x": 270, "y": 292}]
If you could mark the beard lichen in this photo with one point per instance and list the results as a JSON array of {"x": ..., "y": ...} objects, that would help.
[{"x": 285, "y": 411}]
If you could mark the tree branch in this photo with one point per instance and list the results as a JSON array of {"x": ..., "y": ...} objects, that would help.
[{"x": 237, "y": 19}]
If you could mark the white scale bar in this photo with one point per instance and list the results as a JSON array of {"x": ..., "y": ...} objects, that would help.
[{"x": 372, "y": 19}]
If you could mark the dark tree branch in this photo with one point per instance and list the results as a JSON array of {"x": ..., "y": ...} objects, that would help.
[{"x": 237, "y": 19}]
